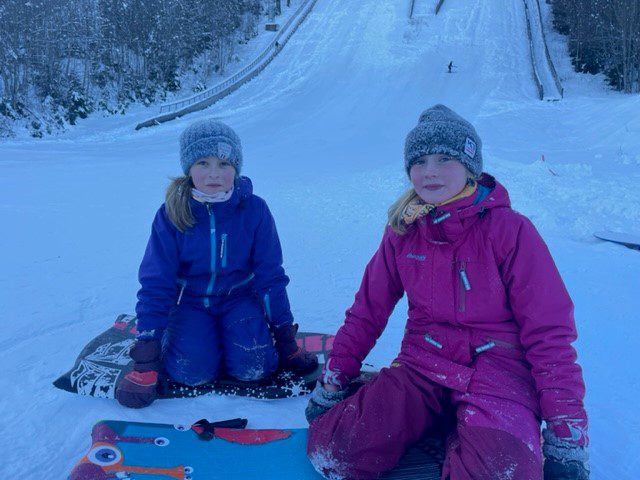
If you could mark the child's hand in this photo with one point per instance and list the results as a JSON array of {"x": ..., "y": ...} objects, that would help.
[
  {"x": 564, "y": 459},
  {"x": 138, "y": 388},
  {"x": 292, "y": 357},
  {"x": 323, "y": 399}
]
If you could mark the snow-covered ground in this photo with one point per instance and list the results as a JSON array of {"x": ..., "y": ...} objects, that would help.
[{"x": 323, "y": 128}]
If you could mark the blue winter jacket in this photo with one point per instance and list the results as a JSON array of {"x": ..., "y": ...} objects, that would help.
[{"x": 233, "y": 249}]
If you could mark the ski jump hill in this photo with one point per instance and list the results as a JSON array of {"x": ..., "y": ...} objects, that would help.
[{"x": 530, "y": 24}]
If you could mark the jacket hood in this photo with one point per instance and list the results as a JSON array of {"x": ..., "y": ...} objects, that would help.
[
  {"x": 243, "y": 187},
  {"x": 448, "y": 223}
]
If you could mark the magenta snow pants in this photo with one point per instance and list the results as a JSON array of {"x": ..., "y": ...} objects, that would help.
[{"x": 367, "y": 434}]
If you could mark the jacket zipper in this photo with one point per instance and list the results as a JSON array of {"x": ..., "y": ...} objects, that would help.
[
  {"x": 223, "y": 251},
  {"x": 243, "y": 282},
  {"x": 443, "y": 216},
  {"x": 183, "y": 285},
  {"x": 464, "y": 286},
  {"x": 212, "y": 233},
  {"x": 267, "y": 307},
  {"x": 429, "y": 339},
  {"x": 437, "y": 216}
]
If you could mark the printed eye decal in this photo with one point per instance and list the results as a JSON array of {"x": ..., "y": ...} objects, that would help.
[
  {"x": 161, "y": 441},
  {"x": 181, "y": 428},
  {"x": 188, "y": 469},
  {"x": 104, "y": 455}
]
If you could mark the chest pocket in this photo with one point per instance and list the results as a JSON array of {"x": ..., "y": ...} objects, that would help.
[
  {"x": 194, "y": 251},
  {"x": 416, "y": 271},
  {"x": 233, "y": 251},
  {"x": 477, "y": 286}
]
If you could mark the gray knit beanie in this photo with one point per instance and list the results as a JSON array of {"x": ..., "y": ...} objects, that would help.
[
  {"x": 209, "y": 138},
  {"x": 441, "y": 130}
]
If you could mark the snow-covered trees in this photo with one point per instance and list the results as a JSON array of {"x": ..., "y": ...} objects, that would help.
[
  {"x": 76, "y": 56},
  {"x": 604, "y": 36}
]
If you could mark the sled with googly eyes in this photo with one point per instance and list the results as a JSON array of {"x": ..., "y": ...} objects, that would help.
[{"x": 222, "y": 450}]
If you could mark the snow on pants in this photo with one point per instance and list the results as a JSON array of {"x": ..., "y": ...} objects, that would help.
[
  {"x": 198, "y": 342},
  {"x": 367, "y": 434}
]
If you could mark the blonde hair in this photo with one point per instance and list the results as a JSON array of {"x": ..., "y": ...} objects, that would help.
[
  {"x": 177, "y": 203},
  {"x": 396, "y": 211}
]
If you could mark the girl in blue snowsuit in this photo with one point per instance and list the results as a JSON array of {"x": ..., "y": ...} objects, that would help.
[{"x": 213, "y": 293}]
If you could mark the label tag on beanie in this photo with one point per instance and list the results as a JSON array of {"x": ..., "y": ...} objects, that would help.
[
  {"x": 224, "y": 150},
  {"x": 470, "y": 147}
]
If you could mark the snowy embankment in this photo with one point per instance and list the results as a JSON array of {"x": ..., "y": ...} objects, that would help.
[{"x": 323, "y": 128}]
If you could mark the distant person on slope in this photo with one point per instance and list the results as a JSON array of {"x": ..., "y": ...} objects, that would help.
[
  {"x": 450, "y": 66},
  {"x": 486, "y": 353},
  {"x": 213, "y": 290}
]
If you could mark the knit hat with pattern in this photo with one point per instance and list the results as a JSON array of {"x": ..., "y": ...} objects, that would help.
[{"x": 441, "y": 130}]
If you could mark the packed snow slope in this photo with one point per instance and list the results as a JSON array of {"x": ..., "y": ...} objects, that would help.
[{"x": 323, "y": 129}]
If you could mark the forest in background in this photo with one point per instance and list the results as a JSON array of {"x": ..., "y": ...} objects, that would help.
[
  {"x": 604, "y": 37},
  {"x": 62, "y": 60}
]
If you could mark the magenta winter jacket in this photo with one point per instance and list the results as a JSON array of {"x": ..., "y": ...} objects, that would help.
[{"x": 488, "y": 311}]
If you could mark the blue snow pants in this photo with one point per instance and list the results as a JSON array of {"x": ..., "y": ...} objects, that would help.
[{"x": 232, "y": 334}]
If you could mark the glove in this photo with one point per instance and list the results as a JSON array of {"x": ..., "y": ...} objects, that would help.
[
  {"x": 322, "y": 400},
  {"x": 564, "y": 458},
  {"x": 138, "y": 388},
  {"x": 293, "y": 357}
]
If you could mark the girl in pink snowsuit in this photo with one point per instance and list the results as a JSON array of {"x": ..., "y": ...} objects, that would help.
[{"x": 487, "y": 340}]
